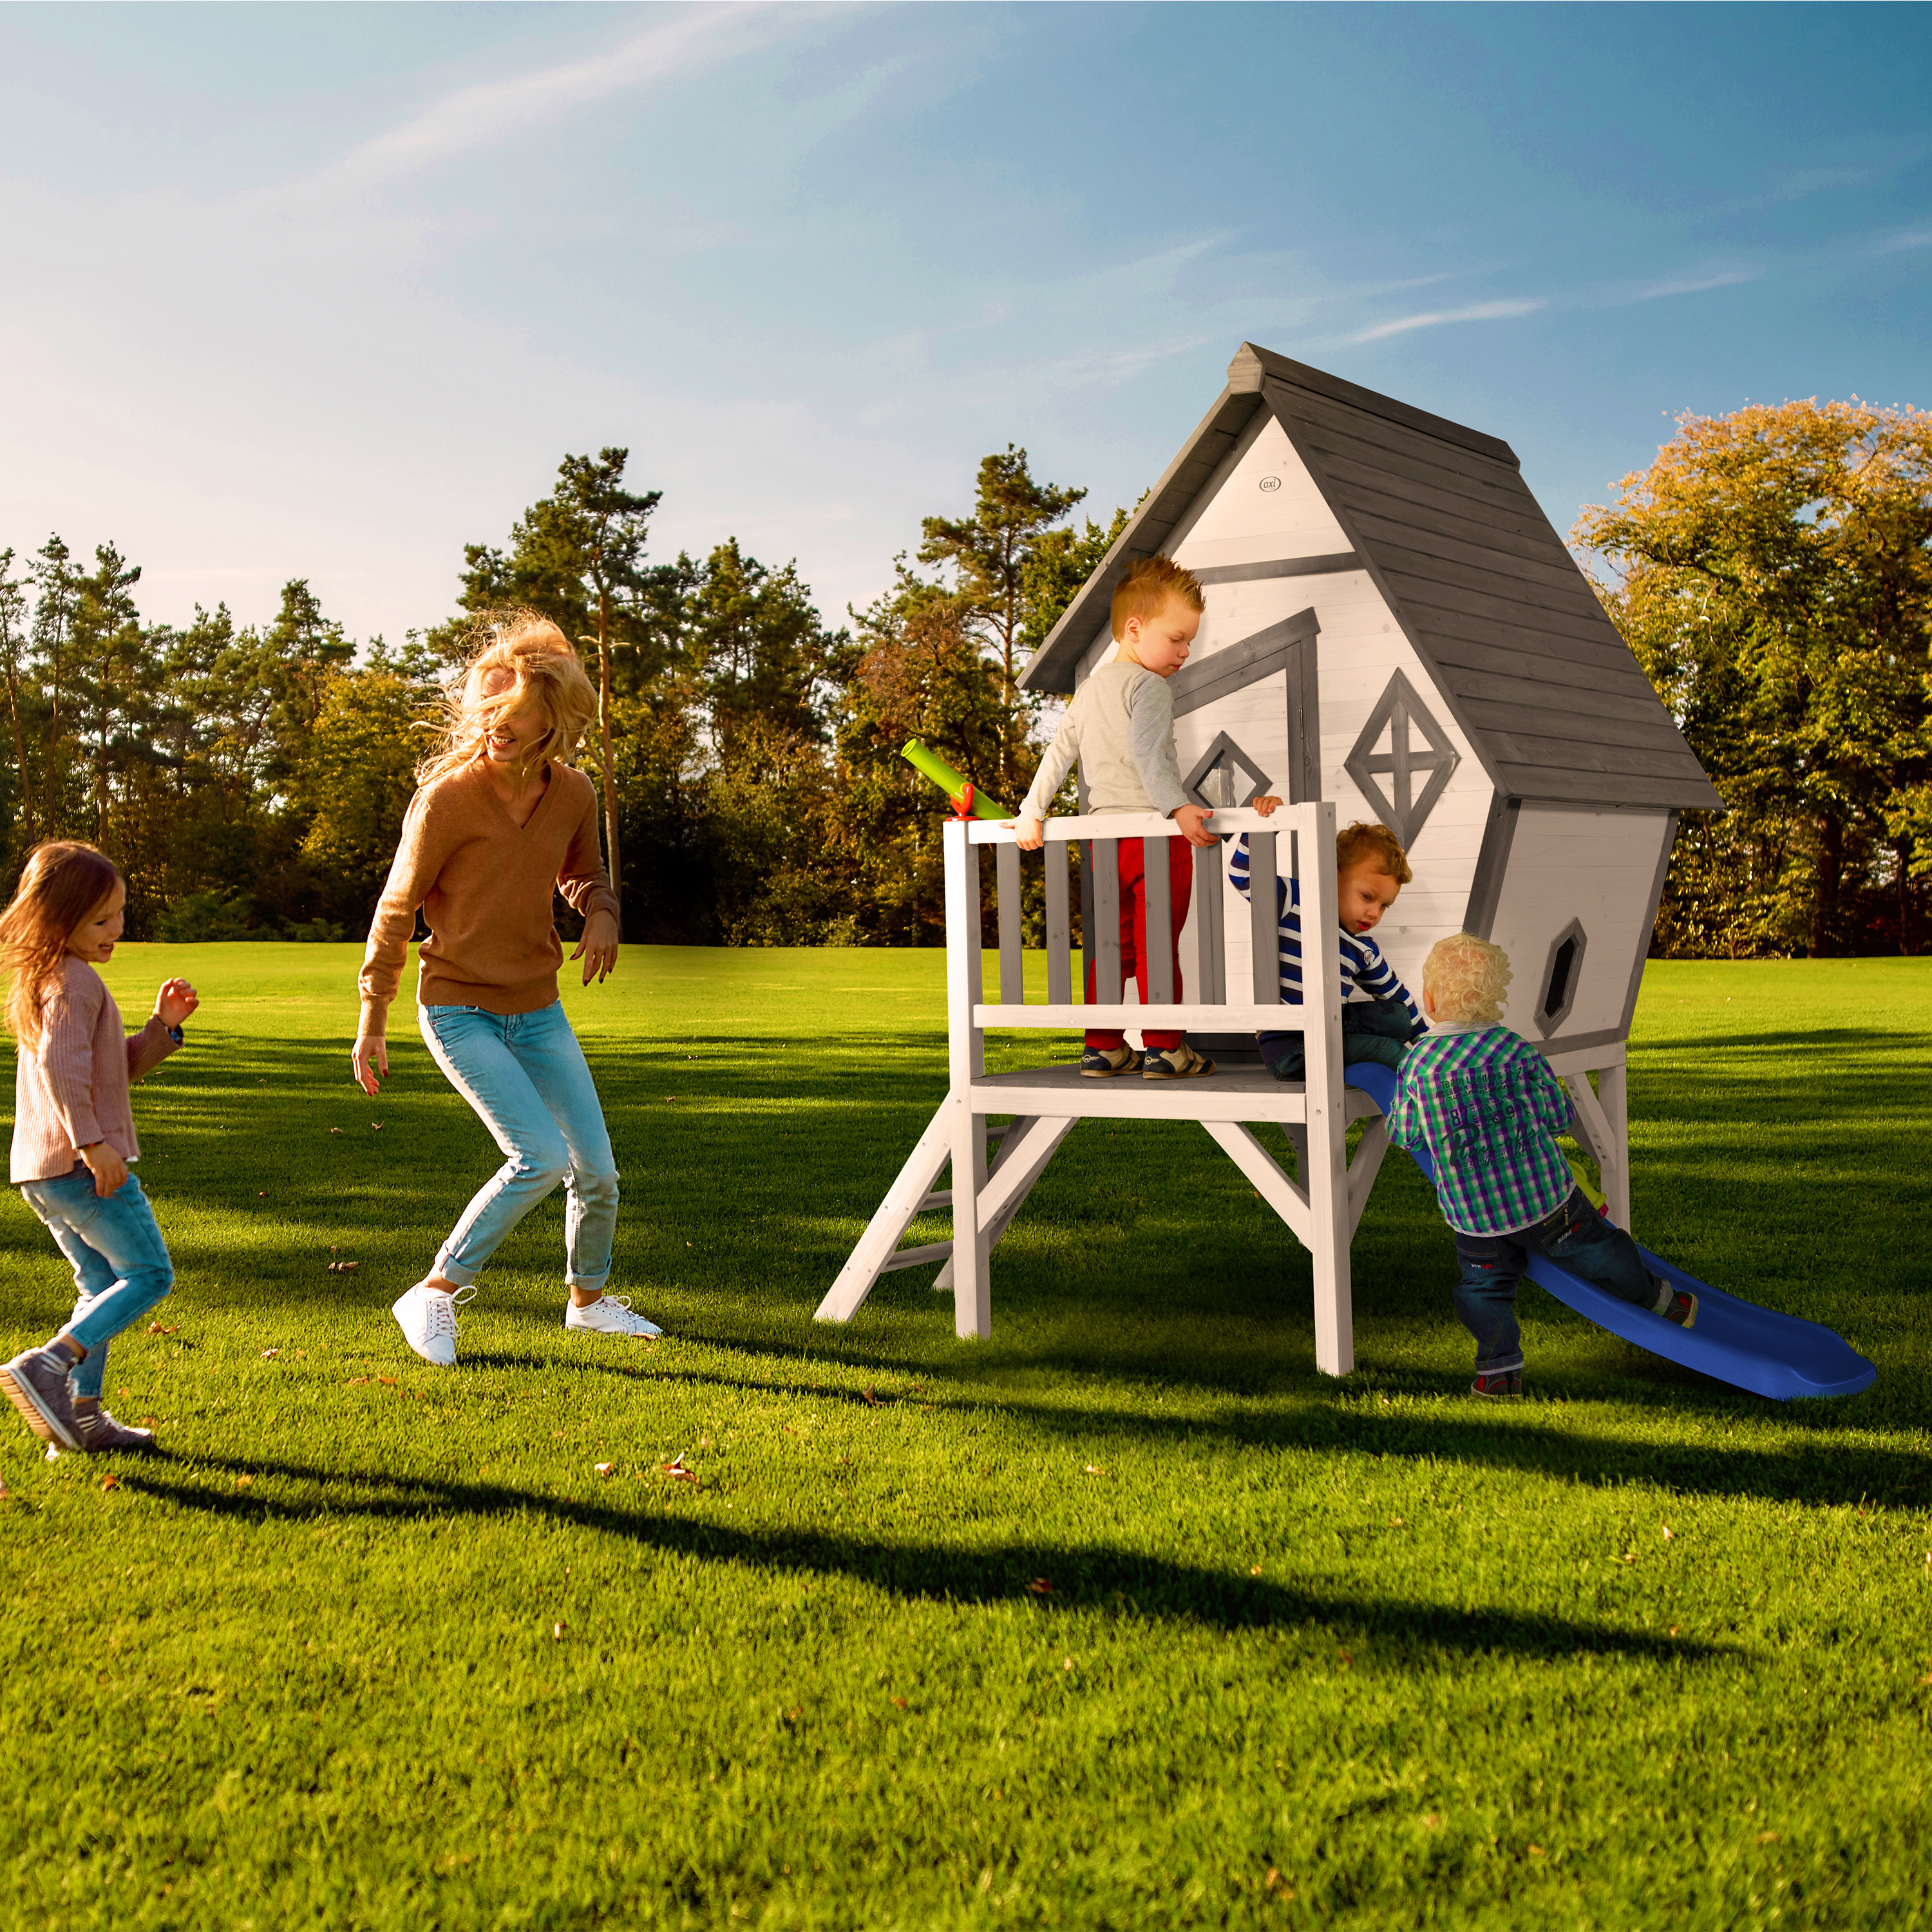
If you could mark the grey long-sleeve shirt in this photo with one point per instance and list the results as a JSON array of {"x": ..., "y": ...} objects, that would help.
[{"x": 1120, "y": 727}]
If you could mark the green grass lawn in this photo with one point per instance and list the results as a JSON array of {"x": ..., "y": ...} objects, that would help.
[{"x": 1126, "y": 1617}]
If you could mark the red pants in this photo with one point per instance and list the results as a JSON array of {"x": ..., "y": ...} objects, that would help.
[{"x": 1134, "y": 933}]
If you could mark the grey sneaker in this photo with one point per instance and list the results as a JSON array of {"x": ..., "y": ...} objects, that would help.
[
  {"x": 99, "y": 1433},
  {"x": 37, "y": 1385}
]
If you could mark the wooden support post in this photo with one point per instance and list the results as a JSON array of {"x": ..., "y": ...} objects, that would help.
[
  {"x": 1211, "y": 951},
  {"x": 972, "y": 1294},
  {"x": 1613, "y": 1094},
  {"x": 907, "y": 1197},
  {"x": 1155, "y": 900},
  {"x": 1264, "y": 934},
  {"x": 1059, "y": 927},
  {"x": 1105, "y": 946},
  {"x": 1326, "y": 1178},
  {"x": 1089, "y": 957},
  {"x": 1006, "y": 871}
]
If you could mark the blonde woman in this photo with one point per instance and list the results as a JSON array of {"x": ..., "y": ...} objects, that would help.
[{"x": 499, "y": 822}]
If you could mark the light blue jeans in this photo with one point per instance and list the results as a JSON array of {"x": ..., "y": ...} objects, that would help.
[
  {"x": 120, "y": 1262},
  {"x": 527, "y": 1077}
]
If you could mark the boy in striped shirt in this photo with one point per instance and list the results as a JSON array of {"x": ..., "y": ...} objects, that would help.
[
  {"x": 1486, "y": 1105},
  {"x": 1371, "y": 867}
]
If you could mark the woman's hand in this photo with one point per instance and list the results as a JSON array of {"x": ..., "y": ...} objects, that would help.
[
  {"x": 174, "y": 1002},
  {"x": 598, "y": 948},
  {"x": 370, "y": 1057},
  {"x": 109, "y": 1169}
]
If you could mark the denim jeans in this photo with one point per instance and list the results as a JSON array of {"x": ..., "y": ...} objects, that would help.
[
  {"x": 526, "y": 1077},
  {"x": 120, "y": 1262},
  {"x": 1576, "y": 1237},
  {"x": 1375, "y": 1030}
]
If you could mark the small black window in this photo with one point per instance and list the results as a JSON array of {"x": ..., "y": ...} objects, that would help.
[{"x": 1560, "y": 977}]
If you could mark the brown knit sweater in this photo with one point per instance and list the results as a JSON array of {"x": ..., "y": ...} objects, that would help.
[
  {"x": 70, "y": 1087},
  {"x": 485, "y": 885}
]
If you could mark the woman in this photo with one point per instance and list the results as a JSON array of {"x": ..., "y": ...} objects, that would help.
[{"x": 499, "y": 822}]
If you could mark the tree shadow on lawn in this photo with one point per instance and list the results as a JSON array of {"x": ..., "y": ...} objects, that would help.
[{"x": 1077, "y": 1577}]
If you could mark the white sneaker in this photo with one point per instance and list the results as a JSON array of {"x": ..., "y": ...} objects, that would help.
[
  {"x": 427, "y": 1318},
  {"x": 610, "y": 1315}
]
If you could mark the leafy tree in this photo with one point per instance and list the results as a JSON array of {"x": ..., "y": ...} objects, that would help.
[
  {"x": 57, "y": 586},
  {"x": 988, "y": 552},
  {"x": 1773, "y": 577},
  {"x": 577, "y": 557},
  {"x": 761, "y": 652},
  {"x": 108, "y": 650},
  {"x": 1057, "y": 564},
  {"x": 13, "y": 668}
]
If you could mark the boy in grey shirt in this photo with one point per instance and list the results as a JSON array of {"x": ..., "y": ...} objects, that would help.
[{"x": 1120, "y": 727}]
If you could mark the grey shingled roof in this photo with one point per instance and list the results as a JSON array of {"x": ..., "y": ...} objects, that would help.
[{"x": 1546, "y": 692}]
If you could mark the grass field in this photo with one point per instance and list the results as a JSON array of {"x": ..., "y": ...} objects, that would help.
[{"x": 1126, "y": 1617}]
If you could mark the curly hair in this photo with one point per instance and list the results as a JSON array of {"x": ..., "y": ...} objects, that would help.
[
  {"x": 1361, "y": 841},
  {"x": 521, "y": 657},
  {"x": 63, "y": 881},
  {"x": 1468, "y": 978}
]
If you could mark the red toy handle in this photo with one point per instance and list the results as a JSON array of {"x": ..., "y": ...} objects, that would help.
[{"x": 962, "y": 805}]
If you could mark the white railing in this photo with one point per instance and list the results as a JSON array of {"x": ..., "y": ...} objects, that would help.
[{"x": 1292, "y": 831}]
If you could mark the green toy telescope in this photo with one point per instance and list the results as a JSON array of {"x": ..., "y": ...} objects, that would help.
[{"x": 949, "y": 781}]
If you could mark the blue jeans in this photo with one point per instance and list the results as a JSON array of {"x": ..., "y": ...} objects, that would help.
[
  {"x": 1576, "y": 1237},
  {"x": 120, "y": 1262},
  {"x": 527, "y": 1077},
  {"x": 1375, "y": 1030}
]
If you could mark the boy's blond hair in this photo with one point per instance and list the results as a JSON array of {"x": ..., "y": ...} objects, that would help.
[
  {"x": 1468, "y": 978},
  {"x": 1150, "y": 582},
  {"x": 1360, "y": 840}
]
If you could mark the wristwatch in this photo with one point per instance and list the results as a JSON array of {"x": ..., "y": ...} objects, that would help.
[{"x": 174, "y": 1033}]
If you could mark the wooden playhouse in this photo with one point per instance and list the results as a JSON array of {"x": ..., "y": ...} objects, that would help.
[{"x": 1394, "y": 630}]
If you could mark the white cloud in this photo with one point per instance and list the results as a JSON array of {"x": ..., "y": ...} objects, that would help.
[
  {"x": 1488, "y": 311},
  {"x": 1693, "y": 282},
  {"x": 490, "y": 111}
]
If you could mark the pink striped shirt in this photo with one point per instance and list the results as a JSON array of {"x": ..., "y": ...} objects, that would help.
[{"x": 71, "y": 1087}]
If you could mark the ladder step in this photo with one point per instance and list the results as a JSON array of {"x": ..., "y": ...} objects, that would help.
[
  {"x": 906, "y": 1257},
  {"x": 941, "y": 1197}
]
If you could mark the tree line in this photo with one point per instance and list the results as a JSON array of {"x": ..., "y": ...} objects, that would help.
[{"x": 1772, "y": 571}]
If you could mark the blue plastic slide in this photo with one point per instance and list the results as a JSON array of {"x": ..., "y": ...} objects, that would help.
[{"x": 1738, "y": 1342}]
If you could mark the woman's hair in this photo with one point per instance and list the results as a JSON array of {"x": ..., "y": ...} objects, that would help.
[
  {"x": 520, "y": 658},
  {"x": 1468, "y": 978},
  {"x": 63, "y": 881}
]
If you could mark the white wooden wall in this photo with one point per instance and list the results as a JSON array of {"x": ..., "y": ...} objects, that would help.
[
  {"x": 1360, "y": 646},
  {"x": 1599, "y": 867}
]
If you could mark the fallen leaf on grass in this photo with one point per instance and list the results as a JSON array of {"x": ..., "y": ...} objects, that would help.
[
  {"x": 335, "y": 1130},
  {"x": 1666, "y": 1532},
  {"x": 1672, "y": 1631},
  {"x": 375, "y": 1127},
  {"x": 344, "y": 1268},
  {"x": 899, "y": 1702},
  {"x": 675, "y": 1467},
  {"x": 148, "y": 1422},
  {"x": 155, "y": 1328},
  {"x": 1344, "y": 1658},
  {"x": 1536, "y": 1851},
  {"x": 358, "y": 1381},
  {"x": 605, "y": 1469},
  {"x": 1630, "y": 1556},
  {"x": 1093, "y": 1469},
  {"x": 1433, "y": 1820},
  {"x": 872, "y": 1400},
  {"x": 557, "y": 1630},
  {"x": 1066, "y": 1664},
  {"x": 1254, "y": 1569},
  {"x": 269, "y": 1354},
  {"x": 1040, "y": 1587},
  {"x": 1771, "y": 1837},
  {"x": 261, "y": 1194},
  {"x": 110, "y": 1482},
  {"x": 1397, "y": 1522},
  {"x": 3, "y": 1490},
  {"x": 244, "y": 1482},
  {"x": 388, "y": 1382}
]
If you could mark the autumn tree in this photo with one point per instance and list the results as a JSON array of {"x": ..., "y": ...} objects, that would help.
[{"x": 1772, "y": 572}]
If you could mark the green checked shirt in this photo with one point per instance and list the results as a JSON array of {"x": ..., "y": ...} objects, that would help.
[{"x": 1484, "y": 1102}]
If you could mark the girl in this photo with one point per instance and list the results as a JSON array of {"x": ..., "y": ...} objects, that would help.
[
  {"x": 498, "y": 823},
  {"x": 73, "y": 1133}
]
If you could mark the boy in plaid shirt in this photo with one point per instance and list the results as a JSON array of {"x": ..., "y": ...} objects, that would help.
[{"x": 1485, "y": 1104}]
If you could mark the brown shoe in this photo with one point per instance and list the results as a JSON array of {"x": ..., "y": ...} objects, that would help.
[{"x": 1176, "y": 1063}]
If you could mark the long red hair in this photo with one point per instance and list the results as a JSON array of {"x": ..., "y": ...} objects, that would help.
[{"x": 63, "y": 882}]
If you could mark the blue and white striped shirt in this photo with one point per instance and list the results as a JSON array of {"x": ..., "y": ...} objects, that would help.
[{"x": 1363, "y": 964}]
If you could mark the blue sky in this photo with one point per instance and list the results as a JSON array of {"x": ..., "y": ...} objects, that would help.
[{"x": 325, "y": 292}]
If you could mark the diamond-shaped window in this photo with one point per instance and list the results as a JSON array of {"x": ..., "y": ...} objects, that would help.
[
  {"x": 1224, "y": 776},
  {"x": 1402, "y": 783}
]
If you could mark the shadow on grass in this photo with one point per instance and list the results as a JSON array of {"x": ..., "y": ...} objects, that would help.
[{"x": 1079, "y": 1577}]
